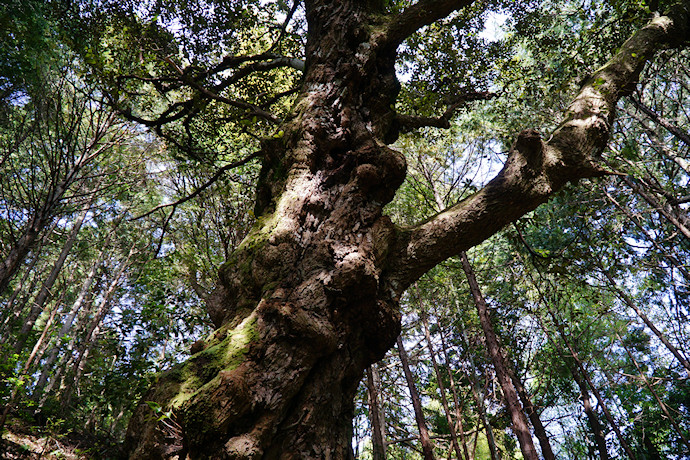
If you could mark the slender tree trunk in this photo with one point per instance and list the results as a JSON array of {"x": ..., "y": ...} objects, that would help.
[
  {"x": 597, "y": 429},
  {"x": 67, "y": 323},
  {"x": 479, "y": 397},
  {"x": 475, "y": 439},
  {"x": 539, "y": 430},
  {"x": 517, "y": 416},
  {"x": 23, "y": 374},
  {"x": 454, "y": 392},
  {"x": 629, "y": 302},
  {"x": 40, "y": 218},
  {"x": 13, "y": 260},
  {"x": 14, "y": 312},
  {"x": 9, "y": 314},
  {"x": 592, "y": 419},
  {"x": 478, "y": 394},
  {"x": 94, "y": 326},
  {"x": 65, "y": 361},
  {"x": 441, "y": 385},
  {"x": 78, "y": 366},
  {"x": 424, "y": 439},
  {"x": 581, "y": 376},
  {"x": 376, "y": 415},
  {"x": 662, "y": 405},
  {"x": 45, "y": 292},
  {"x": 65, "y": 173}
]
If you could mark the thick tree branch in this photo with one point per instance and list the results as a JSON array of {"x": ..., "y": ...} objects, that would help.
[
  {"x": 536, "y": 169},
  {"x": 421, "y": 14}
]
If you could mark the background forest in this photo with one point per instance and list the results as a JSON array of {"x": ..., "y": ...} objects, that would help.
[{"x": 113, "y": 225}]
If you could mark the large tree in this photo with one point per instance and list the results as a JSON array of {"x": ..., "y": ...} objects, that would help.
[{"x": 310, "y": 298}]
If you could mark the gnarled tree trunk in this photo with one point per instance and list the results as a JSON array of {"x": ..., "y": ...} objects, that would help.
[{"x": 310, "y": 298}]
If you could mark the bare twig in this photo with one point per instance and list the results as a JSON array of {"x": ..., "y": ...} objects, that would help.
[{"x": 201, "y": 188}]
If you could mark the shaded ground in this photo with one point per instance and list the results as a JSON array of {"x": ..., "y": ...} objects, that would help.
[{"x": 21, "y": 440}]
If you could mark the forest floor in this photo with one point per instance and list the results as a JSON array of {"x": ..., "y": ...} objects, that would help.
[{"x": 21, "y": 440}]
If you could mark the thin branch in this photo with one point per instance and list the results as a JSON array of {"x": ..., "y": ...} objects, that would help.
[
  {"x": 532, "y": 252},
  {"x": 229, "y": 62},
  {"x": 661, "y": 121},
  {"x": 186, "y": 108},
  {"x": 251, "y": 108},
  {"x": 164, "y": 228},
  {"x": 278, "y": 96},
  {"x": 272, "y": 61},
  {"x": 283, "y": 28},
  {"x": 201, "y": 188}
]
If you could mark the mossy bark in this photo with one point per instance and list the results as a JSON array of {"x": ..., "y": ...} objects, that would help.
[{"x": 300, "y": 306}]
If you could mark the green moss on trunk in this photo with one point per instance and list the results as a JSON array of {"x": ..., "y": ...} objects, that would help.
[{"x": 190, "y": 380}]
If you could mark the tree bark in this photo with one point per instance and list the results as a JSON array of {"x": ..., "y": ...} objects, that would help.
[
  {"x": 376, "y": 416},
  {"x": 456, "y": 399},
  {"x": 498, "y": 359},
  {"x": 531, "y": 411},
  {"x": 424, "y": 439},
  {"x": 310, "y": 298},
  {"x": 441, "y": 385}
]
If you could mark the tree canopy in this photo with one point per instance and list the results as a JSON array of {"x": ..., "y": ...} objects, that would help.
[{"x": 358, "y": 229}]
